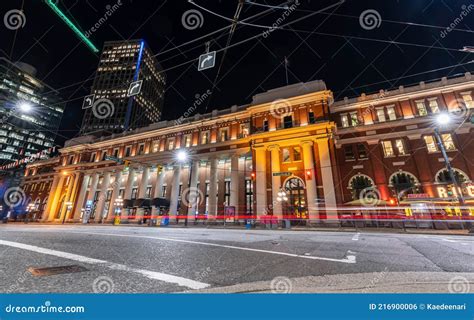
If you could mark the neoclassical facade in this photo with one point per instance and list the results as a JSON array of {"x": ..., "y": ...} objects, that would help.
[{"x": 291, "y": 153}]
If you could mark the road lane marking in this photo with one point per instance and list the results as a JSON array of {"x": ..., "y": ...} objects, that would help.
[
  {"x": 349, "y": 258},
  {"x": 356, "y": 236},
  {"x": 184, "y": 282}
]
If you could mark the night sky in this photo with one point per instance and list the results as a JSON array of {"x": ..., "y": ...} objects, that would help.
[{"x": 323, "y": 46}]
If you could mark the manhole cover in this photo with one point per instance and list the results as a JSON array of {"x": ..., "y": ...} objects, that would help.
[{"x": 56, "y": 270}]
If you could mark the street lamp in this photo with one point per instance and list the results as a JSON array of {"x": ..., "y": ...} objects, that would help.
[
  {"x": 182, "y": 156},
  {"x": 25, "y": 107},
  {"x": 443, "y": 119},
  {"x": 118, "y": 203}
]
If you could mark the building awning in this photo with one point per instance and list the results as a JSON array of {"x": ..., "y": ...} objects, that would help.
[
  {"x": 127, "y": 203},
  {"x": 142, "y": 203},
  {"x": 160, "y": 202}
]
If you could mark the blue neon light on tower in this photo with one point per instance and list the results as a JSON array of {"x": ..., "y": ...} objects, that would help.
[{"x": 135, "y": 78}]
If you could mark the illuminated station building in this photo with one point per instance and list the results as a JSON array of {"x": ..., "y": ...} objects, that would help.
[{"x": 290, "y": 154}]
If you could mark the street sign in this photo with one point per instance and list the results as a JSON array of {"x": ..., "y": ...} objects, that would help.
[
  {"x": 280, "y": 174},
  {"x": 207, "y": 61},
  {"x": 88, "y": 101},
  {"x": 134, "y": 88}
]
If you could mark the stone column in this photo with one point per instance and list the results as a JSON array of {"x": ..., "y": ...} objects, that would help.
[
  {"x": 311, "y": 191},
  {"x": 194, "y": 196},
  {"x": 56, "y": 198},
  {"x": 175, "y": 190},
  {"x": 74, "y": 195},
  {"x": 127, "y": 195},
  {"x": 213, "y": 189},
  {"x": 327, "y": 178},
  {"x": 158, "y": 186},
  {"x": 52, "y": 192},
  {"x": 260, "y": 181},
  {"x": 143, "y": 187},
  {"x": 70, "y": 187},
  {"x": 234, "y": 185},
  {"x": 90, "y": 197},
  {"x": 276, "y": 181},
  {"x": 115, "y": 193},
  {"x": 81, "y": 197},
  {"x": 102, "y": 196}
]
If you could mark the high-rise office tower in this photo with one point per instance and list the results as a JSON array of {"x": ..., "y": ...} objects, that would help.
[
  {"x": 121, "y": 63},
  {"x": 30, "y": 113}
]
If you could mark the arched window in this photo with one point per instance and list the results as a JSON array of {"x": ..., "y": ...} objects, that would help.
[
  {"x": 358, "y": 183},
  {"x": 404, "y": 183},
  {"x": 443, "y": 176}
]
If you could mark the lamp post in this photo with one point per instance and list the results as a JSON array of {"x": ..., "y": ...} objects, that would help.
[
  {"x": 68, "y": 205},
  {"x": 282, "y": 196},
  {"x": 444, "y": 119}
]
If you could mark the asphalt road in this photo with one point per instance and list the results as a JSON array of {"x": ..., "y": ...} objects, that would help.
[{"x": 143, "y": 259}]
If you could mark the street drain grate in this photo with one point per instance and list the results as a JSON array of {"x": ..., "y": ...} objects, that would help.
[{"x": 50, "y": 271}]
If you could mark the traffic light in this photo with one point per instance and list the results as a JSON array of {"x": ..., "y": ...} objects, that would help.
[{"x": 159, "y": 169}]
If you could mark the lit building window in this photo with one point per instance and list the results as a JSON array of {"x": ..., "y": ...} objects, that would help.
[
  {"x": 420, "y": 106},
  {"x": 467, "y": 98},
  {"x": 205, "y": 137},
  {"x": 244, "y": 130},
  {"x": 344, "y": 121},
  {"x": 388, "y": 148},
  {"x": 391, "y": 113},
  {"x": 187, "y": 140},
  {"x": 170, "y": 144},
  {"x": 448, "y": 142},
  {"x": 265, "y": 125},
  {"x": 381, "y": 115},
  {"x": 141, "y": 149},
  {"x": 156, "y": 146},
  {"x": 223, "y": 134},
  {"x": 400, "y": 147},
  {"x": 127, "y": 151},
  {"x": 311, "y": 118},
  {"x": 354, "y": 119},
  {"x": 296, "y": 154},
  {"x": 430, "y": 144},
  {"x": 433, "y": 103},
  {"x": 286, "y": 154}
]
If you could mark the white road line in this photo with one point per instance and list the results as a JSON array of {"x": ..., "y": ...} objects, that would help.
[
  {"x": 348, "y": 259},
  {"x": 356, "y": 236},
  {"x": 114, "y": 266}
]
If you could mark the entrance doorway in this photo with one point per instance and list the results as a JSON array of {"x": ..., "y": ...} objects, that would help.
[{"x": 296, "y": 207}]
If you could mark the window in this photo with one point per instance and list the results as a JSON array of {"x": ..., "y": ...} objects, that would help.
[
  {"x": 244, "y": 130},
  {"x": 104, "y": 154},
  {"x": 116, "y": 152},
  {"x": 223, "y": 134},
  {"x": 311, "y": 118},
  {"x": 433, "y": 103},
  {"x": 265, "y": 125},
  {"x": 93, "y": 157},
  {"x": 286, "y": 154},
  {"x": 148, "y": 193},
  {"x": 134, "y": 193},
  {"x": 381, "y": 115},
  {"x": 430, "y": 144},
  {"x": 187, "y": 140},
  {"x": 287, "y": 122},
  {"x": 388, "y": 148},
  {"x": 248, "y": 196},
  {"x": 400, "y": 147},
  {"x": 170, "y": 144},
  {"x": 420, "y": 106},
  {"x": 467, "y": 97},
  {"x": 344, "y": 121},
  {"x": 141, "y": 149},
  {"x": 127, "y": 151},
  {"x": 448, "y": 142},
  {"x": 163, "y": 191},
  {"x": 362, "y": 151},
  {"x": 354, "y": 119},
  {"x": 227, "y": 192},
  {"x": 156, "y": 145},
  {"x": 205, "y": 137},
  {"x": 296, "y": 154},
  {"x": 349, "y": 153},
  {"x": 391, "y": 113},
  {"x": 71, "y": 159}
]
